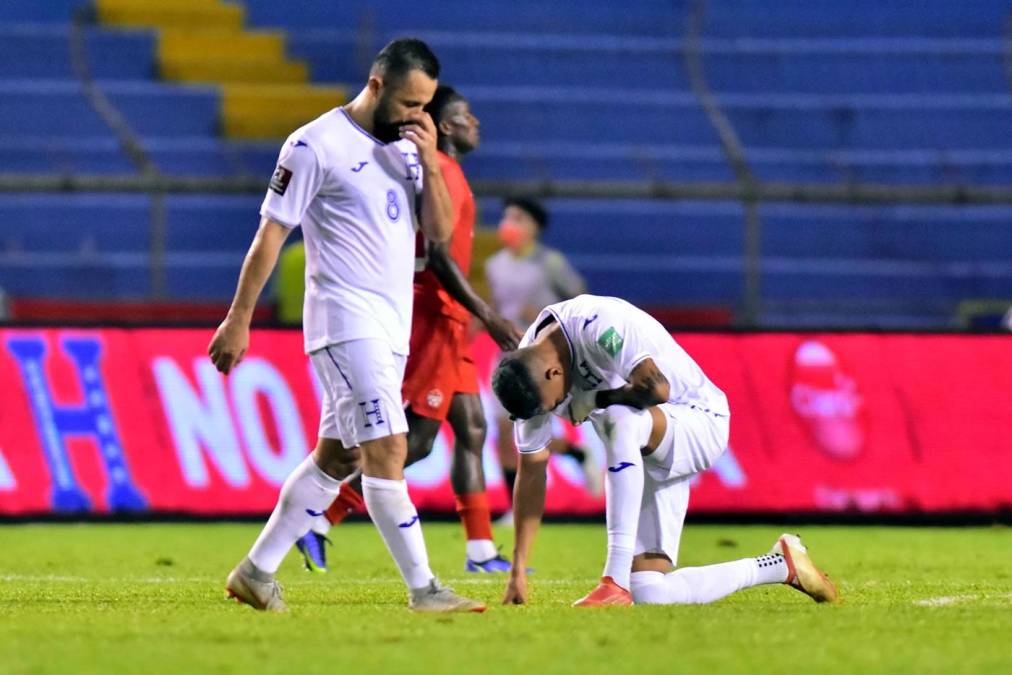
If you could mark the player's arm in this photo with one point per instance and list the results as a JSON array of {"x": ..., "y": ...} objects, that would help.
[
  {"x": 528, "y": 508},
  {"x": 505, "y": 334},
  {"x": 231, "y": 340},
  {"x": 647, "y": 387},
  {"x": 437, "y": 208}
]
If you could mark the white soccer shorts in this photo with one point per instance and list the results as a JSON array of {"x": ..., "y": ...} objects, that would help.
[
  {"x": 692, "y": 442},
  {"x": 361, "y": 391}
]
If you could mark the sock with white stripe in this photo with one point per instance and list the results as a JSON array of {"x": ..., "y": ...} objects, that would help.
[
  {"x": 702, "y": 585},
  {"x": 306, "y": 493},
  {"x": 396, "y": 519}
]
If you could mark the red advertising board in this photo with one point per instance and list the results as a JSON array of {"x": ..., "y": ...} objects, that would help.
[{"x": 111, "y": 420}]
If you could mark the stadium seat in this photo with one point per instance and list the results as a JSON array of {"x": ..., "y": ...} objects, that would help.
[{"x": 817, "y": 91}]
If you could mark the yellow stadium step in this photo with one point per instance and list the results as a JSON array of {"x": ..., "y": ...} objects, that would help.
[
  {"x": 255, "y": 111},
  {"x": 247, "y": 71},
  {"x": 212, "y": 44},
  {"x": 486, "y": 242},
  {"x": 199, "y": 14},
  {"x": 265, "y": 95},
  {"x": 225, "y": 57}
]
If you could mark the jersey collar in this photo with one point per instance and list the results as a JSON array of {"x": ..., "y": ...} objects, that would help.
[
  {"x": 360, "y": 129},
  {"x": 565, "y": 333}
]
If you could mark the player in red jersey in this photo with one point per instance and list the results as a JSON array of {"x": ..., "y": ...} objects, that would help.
[{"x": 440, "y": 381}]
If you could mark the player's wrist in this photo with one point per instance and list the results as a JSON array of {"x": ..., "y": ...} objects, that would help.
[
  {"x": 241, "y": 316},
  {"x": 485, "y": 315},
  {"x": 429, "y": 160}
]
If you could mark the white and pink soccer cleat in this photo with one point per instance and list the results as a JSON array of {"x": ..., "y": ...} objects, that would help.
[{"x": 802, "y": 573}]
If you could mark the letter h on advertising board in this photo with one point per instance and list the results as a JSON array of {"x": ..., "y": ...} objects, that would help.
[{"x": 92, "y": 418}]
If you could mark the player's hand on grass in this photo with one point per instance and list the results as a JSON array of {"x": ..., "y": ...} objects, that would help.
[
  {"x": 505, "y": 334},
  {"x": 516, "y": 589},
  {"x": 229, "y": 344},
  {"x": 421, "y": 130}
]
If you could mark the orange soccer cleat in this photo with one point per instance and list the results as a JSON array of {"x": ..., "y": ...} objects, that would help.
[{"x": 606, "y": 593}]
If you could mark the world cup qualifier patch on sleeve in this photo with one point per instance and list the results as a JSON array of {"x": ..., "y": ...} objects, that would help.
[
  {"x": 611, "y": 341},
  {"x": 280, "y": 179}
]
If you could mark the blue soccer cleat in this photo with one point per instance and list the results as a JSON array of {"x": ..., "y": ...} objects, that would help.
[
  {"x": 490, "y": 566},
  {"x": 314, "y": 555}
]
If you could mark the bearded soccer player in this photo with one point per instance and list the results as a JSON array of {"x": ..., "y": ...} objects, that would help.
[
  {"x": 360, "y": 180},
  {"x": 441, "y": 383},
  {"x": 662, "y": 422}
]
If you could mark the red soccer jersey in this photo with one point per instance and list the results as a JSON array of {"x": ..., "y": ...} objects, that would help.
[{"x": 430, "y": 296}]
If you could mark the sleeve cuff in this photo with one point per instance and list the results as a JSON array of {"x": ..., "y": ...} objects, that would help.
[{"x": 267, "y": 213}]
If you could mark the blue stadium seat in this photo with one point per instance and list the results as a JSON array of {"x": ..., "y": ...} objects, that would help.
[
  {"x": 43, "y": 51},
  {"x": 646, "y": 17},
  {"x": 819, "y": 91},
  {"x": 73, "y": 223},
  {"x": 36, "y": 11},
  {"x": 855, "y": 66}
]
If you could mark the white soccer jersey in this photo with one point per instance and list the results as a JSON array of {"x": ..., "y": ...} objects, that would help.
[
  {"x": 608, "y": 338},
  {"x": 355, "y": 199}
]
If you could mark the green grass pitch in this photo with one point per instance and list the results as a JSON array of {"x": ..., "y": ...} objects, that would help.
[{"x": 148, "y": 599}]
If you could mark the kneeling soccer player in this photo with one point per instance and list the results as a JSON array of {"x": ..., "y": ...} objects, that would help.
[{"x": 662, "y": 422}]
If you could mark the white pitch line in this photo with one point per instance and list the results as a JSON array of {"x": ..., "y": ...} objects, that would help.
[
  {"x": 56, "y": 578},
  {"x": 945, "y": 600}
]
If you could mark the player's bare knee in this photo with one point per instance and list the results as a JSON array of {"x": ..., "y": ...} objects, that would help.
[
  {"x": 652, "y": 562},
  {"x": 467, "y": 419},
  {"x": 385, "y": 457},
  {"x": 419, "y": 447},
  {"x": 335, "y": 460},
  {"x": 471, "y": 438}
]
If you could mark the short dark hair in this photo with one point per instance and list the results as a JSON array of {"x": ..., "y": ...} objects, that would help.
[
  {"x": 444, "y": 96},
  {"x": 403, "y": 55},
  {"x": 515, "y": 388},
  {"x": 533, "y": 208}
]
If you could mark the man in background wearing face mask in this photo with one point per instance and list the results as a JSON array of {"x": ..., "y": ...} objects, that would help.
[
  {"x": 359, "y": 180},
  {"x": 525, "y": 277}
]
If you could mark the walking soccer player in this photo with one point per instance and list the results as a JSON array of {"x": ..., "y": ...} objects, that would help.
[
  {"x": 441, "y": 383},
  {"x": 352, "y": 179},
  {"x": 662, "y": 422}
]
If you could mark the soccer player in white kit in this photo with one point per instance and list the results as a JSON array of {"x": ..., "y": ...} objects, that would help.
[
  {"x": 353, "y": 180},
  {"x": 662, "y": 422}
]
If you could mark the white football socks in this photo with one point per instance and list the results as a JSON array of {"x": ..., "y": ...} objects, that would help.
[
  {"x": 396, "y": 519},
  {"x": 306, "y": 493},
  {"x": 624, "y": 431},
  {"x": 320, "y": 525},
  {"x": 701, "y": 585},
  {"x": 481, "y": 550}
]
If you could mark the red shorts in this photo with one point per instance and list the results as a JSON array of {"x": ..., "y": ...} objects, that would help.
[{"x": 439, "y": 366}]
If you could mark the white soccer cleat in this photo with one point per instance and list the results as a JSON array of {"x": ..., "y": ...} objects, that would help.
[
  {"x": 254, "y": 587},
  {"x": 802, "y": 573},
  {"x": 438, "y": 598}
]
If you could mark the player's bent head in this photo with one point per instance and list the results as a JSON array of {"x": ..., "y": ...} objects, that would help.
[
  {"x": 515, "y": 387},
  {"x": 401, "y": 56},
  {"x": 402, "y": 82}
]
